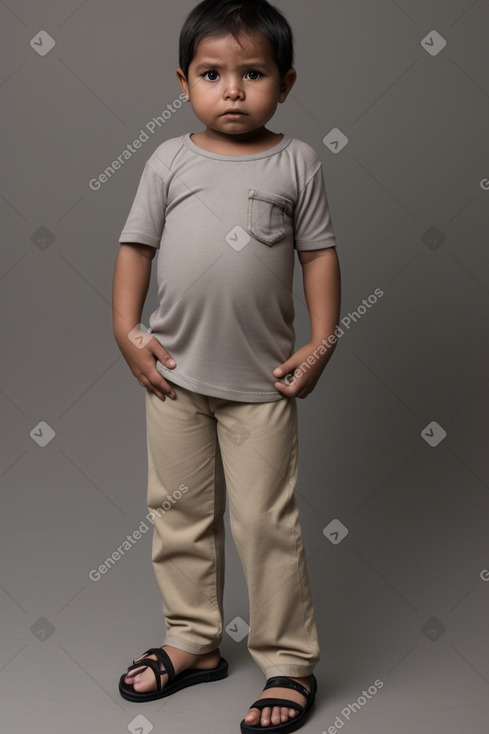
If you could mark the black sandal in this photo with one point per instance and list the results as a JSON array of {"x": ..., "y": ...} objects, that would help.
[
  {"x": 175, "y": 683},
  {"x": 291, "y": 724}
]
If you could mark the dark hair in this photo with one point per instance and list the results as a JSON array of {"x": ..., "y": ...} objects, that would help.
[{"x": 216, "y": 18}]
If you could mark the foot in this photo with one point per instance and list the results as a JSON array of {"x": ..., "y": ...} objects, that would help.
[
  {"x": 274, "y": 715},
  {"x": 143, "y": 680}
]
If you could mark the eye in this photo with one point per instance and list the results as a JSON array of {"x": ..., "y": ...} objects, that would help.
[
  {"x": 207, "y": 73},
  {"x": 255, "y": 75}
]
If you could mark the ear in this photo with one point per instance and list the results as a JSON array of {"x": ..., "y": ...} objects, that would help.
[
  {"x": 286, "y": 84},
  {"x": 182, "y": 80}
]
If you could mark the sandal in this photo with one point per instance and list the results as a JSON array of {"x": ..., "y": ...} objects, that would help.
[
  {"x": 291, "y": 724},
  {"x": 175, "y": 683}
]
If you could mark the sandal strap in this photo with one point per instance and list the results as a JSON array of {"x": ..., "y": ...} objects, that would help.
[
  {"x": 155, "y": 667},
  {"x": 263, "y": 702},
  {"x": 280, "y": 681},
  {"x": 165, "y": 664}
]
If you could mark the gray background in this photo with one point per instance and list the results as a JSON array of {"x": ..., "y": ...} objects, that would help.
[{"x": 402, "y": 598}]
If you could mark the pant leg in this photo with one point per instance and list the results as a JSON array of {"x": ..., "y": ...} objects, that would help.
[
  {"x": 184, "y": 462},
  {"x": 259, "y": 451}
]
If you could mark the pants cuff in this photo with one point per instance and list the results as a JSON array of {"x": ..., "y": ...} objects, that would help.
[
  {"x": 291, "y": 671},
  {"x": 193, "y": 647}
]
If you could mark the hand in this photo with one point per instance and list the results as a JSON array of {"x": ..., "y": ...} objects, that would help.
[
  {"x": 142, "y": 361},
  {"x": 302, "y": 381}
]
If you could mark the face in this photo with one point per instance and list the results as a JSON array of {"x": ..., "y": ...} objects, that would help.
[{"x": 226, "y": 75}]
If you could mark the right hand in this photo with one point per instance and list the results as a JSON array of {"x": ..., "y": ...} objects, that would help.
[{"x": 142, "y": 362}]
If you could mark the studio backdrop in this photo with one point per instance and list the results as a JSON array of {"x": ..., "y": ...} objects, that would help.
[{"x": 393, "y": 488}]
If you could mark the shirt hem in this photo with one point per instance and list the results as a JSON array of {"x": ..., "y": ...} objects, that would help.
[
  {"x": 241, "y": 396},
  {"x": 138, "y": 238},
  {"x": 315, "y": 245}
]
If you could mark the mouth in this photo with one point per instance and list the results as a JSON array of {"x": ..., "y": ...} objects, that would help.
[{"x": 233, "y": 113}]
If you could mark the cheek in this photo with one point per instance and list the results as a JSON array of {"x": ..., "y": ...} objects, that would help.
[
  {"x": 205, "y": 95},
  {"x": 267, "y": 96},
  {"x": 199, "y": 100},
  {"x": 199, "y": 86}
]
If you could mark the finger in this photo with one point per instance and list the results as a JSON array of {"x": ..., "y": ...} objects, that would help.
[
  {"x": 159, "y": 386},
  {"x": 281, "y": 387},
  {"x": 164, "y": 394},
  {"x": 150, "y": 388},
  {"x": 289, "y": 392},
  {"x": 166, "y": 389},
  {"x": 286, "y": 377},
  {"x": 162, "y": 354},
  {"x": 157, "y": 382},
  {"x": 283, "y": 369}
]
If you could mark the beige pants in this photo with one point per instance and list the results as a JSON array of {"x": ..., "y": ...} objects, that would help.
[{"x": 197, "y": 446}]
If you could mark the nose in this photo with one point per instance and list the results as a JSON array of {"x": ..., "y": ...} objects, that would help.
[{"x": 234, "y": 88}]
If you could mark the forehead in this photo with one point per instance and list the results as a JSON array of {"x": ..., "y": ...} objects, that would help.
[{"x": 244, "y": 49}]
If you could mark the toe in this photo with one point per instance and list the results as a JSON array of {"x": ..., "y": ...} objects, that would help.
[
  {"x": 277, "y": 715},
  {"x": 142, "y": 683},
  {"x": 142, "y": 679},
  {"x": 133, "y": 673},
  {"x": 266, "y": 716},
  {"x": 285, "y": 714},
  {"x": 253, "y": 717}
]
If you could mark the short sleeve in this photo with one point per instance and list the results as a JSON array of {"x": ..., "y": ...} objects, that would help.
[
  {"x": 147, "y": 215},
  {"x": 313, "y": 228}
]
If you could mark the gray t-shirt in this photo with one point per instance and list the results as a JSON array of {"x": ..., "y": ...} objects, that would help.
[{"x": 226, "y": 228}]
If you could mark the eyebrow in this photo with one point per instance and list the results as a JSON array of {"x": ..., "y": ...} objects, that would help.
[{"x": 217, "y": 65}]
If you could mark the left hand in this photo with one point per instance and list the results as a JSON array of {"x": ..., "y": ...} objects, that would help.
[{"x": 302, "y": 383}]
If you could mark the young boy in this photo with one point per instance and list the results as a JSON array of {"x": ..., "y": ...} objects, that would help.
[{"x": 225, "y": 208}]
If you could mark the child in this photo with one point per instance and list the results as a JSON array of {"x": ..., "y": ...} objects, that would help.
[{"x": 225, "y": 208}]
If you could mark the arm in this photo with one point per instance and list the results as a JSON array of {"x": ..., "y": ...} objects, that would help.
[
  {"x": 322, "y": 288},
  {"x": 132, "y": 275}
]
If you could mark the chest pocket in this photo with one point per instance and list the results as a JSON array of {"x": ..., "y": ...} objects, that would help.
[{"x": 267, "y": 215}]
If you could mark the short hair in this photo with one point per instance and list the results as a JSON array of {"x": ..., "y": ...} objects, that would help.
[{"x": 217, "y": 18}]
